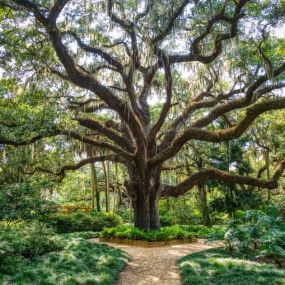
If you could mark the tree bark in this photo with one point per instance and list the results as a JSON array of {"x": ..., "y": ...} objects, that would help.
[
  {"x": 95, "y": 192},
  {"x": 146, "y": 213},
  {"x": 267, "y": 172},
  {"x": 204, "y": 205},
  {"x": 106, "y": 176},
  {"x": 144, "y": 191}
]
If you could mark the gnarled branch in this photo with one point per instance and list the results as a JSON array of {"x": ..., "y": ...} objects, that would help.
[{"x": 222, "y": 176}]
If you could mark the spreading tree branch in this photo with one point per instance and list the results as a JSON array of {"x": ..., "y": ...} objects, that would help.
[
  {"x": 193, "y": 133},
  {"x": 214, "y": 174}
]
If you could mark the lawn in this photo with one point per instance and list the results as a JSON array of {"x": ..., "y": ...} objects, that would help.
[
  {"x": 80, "y": 263},
  {"x": 216, "y": 267}
]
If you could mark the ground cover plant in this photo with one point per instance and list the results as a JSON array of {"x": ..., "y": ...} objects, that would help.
[
  {"x": 218, "y": 267},
  {"x": 255, "y": 234},
  {"x": 164, "y": 233},
  {"x": 78, "y": 262},
  {"x": 132, "y": 233},
  {"x": 202, "y": 231},
  {"x": 25, "y": 241}
]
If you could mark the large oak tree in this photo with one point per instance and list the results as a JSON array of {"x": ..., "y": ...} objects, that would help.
[{"x": 104, "y": 64}]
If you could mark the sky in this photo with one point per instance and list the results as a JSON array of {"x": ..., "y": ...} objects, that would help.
[{"x": 280, "y": 32}]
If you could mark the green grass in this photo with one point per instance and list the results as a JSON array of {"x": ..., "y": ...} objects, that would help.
[
  {"x": 216, "y": 267},
  {"x": 80, "y": 263}
]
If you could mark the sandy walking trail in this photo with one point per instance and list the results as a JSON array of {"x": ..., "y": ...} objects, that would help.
[{"x": 155, "y": 265}]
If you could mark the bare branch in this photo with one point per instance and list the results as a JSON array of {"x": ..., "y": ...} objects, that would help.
[
  {"x": 167, "y": 105},
  {"x": 56, "y": 9},
  {"x": 171, "y": 22},
  {"x": 111, "y": 60},
  {"x": 195, "y": 54},
  {"x": 68, "y": 133},
  {"x": 61, "y": 172},
  {"x": 109, "y": 133}
]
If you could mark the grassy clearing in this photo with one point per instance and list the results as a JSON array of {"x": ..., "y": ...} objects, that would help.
[
  {"x": 216, "y": 267},
  {"x": 80, "y": 263}
]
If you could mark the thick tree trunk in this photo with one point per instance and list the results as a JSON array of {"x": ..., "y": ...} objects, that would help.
[
  {"x": 144, "y": 188},
  {"x": 144, "y": 191},
  {"x": 146, "y": 212},
  {"x": 204, "y": 205}
]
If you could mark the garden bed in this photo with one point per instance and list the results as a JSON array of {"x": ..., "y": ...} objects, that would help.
[
  {"x": 144, "y": 243},
  {"x": 126, "y": 234}
]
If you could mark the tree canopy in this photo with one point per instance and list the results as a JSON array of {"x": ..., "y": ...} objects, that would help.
[{"x": 139, "y": 83}]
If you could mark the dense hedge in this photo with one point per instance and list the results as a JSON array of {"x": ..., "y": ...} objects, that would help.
[{"x": 78, "y": 222}]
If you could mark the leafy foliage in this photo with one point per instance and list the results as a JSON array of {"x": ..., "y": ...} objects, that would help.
[
  {"x": 132, "y": 233},
  {"x": 25, "y": 241},
  {"x": 24, "y": 201},
  {"x": 80, "y": 262},
  {"x": 256, "y": 234},
  {"x": 201, "y": 231},
  {"x": 76, "y": 222}
]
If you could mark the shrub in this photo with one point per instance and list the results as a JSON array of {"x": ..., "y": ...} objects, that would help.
[
  {"x": 256, "y": 234},
  {"x": 78, "y": 222},
  {"x": 125, "y": 213},
  {"x": 166, "y": 220},
  {"x": 23, "y": 201},
  {"x": 202, "y": 231},
  {"x": 132, "y": 233},
  {"x": 25, "y": 241}
]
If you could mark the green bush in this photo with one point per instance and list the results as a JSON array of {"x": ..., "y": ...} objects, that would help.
[
  {"x": 166, "y": 220},
  {"x": 201, "y": 231},
  {"x": 78, "y": 222},
  {"x": 125, "y": 213},
  {"x": 24, "y": 241},
  {"x": 20, "y": 201},
  {"x": 132, "y": 233},
  {"x": 256, "y": 234}
]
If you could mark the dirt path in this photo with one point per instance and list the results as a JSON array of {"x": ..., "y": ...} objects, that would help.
[{"x": 154, "y": 266}]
